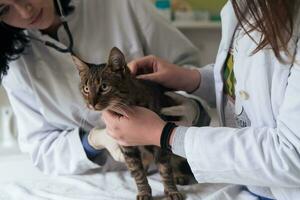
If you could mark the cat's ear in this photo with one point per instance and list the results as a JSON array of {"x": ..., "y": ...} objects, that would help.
[
  {"x": 116, "y": 60},
  {"x": 81, "y": 66}
]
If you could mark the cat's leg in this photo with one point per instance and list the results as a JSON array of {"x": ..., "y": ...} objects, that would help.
[
  {"x": 181, "y": 179},
  {"x": 134, "y": 164},
  {"x": 165, "y": 169},
  {"x": 181, "y": 170}
]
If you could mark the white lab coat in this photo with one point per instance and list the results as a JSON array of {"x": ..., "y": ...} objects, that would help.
[
  {"x": 43, "y": 84},
  {"x": 267, "y": 153}
]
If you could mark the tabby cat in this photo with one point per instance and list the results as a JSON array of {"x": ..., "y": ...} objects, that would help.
[{"x": 111, "y": 85}]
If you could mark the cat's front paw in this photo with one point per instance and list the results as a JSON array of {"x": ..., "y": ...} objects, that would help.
[
  {"x": 144, "y": 197},
  {"x": 181, "y": 180},
  {"x": 175, "y": 196}
]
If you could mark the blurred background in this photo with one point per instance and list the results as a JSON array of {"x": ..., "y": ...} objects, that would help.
[
  {"x": 195, "y": 10},
  {"x": 213, "y": 6},
  {"x": 198, "y": 20}
]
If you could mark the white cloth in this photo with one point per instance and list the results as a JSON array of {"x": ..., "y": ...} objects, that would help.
[
  {"x": 34, "y": 185},
  {"x": 111, "y": 186},
  {"x": 43, "y": 84},
  {"x": 267, "y": 153}
]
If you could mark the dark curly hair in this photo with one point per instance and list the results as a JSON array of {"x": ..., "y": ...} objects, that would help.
[{"x": 13, "y": 40}]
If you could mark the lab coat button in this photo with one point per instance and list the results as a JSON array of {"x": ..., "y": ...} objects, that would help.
[{"x": 244, "y": 95}]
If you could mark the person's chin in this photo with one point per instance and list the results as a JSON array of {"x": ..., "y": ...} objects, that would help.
[
  {"x": 43, "y": 26},
  {"x": 46, "y": 25}
]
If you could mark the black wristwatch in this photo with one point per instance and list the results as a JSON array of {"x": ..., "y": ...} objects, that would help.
[{"x": 165, "y": 136}]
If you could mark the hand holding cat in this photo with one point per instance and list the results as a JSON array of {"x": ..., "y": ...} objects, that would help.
[
  {"x": 140, "y": 126},
  {"x": 169, "y": 75}
]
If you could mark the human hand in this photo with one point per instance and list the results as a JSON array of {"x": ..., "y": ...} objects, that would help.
[
  {"x": 169, "y": 75},
  {"x": 139, "y": 126},
  {"x": 98, "y": 139},
  {"x": 187, "y": 110}
]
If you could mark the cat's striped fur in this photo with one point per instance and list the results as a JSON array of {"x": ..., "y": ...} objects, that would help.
[{"x": 111, "y": 85}]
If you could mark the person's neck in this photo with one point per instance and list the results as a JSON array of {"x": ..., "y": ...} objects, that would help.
[{"x": 52, "y": 30}]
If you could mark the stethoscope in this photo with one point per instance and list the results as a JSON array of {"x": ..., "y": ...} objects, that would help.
[{"x": 68, "y": 49}]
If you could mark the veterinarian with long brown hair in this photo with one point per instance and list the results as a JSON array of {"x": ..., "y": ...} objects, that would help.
[{"x": 255, "y": 86}]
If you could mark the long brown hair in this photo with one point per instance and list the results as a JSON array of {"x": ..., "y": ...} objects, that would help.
[{"x": 273, "y": 18}]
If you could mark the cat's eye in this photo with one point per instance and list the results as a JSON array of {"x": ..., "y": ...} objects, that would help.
[
  {"x": 104, "y": 87},
  {"x": 86, "y": 89}
]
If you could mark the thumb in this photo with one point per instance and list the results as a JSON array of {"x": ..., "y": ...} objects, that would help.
[
  {"x": 142, "y": 65},
  {"x": 133, "y": 67}
]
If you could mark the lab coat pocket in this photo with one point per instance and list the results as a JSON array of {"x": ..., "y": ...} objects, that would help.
[{"x": 241, "y": 117}]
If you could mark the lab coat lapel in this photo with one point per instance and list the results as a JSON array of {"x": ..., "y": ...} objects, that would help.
[{"x": 229, "y": 23}]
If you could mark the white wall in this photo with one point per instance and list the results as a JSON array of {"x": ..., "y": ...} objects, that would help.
[{"x": 206, "y": 39}]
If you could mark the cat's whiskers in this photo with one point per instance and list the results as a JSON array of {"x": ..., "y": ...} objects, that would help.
[{"x": 120, "y": 108}]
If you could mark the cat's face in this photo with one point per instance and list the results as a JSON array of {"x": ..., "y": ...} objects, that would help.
[{"x": 105, "y": 86}]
